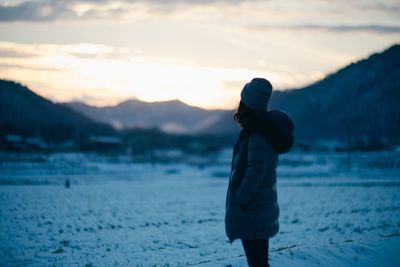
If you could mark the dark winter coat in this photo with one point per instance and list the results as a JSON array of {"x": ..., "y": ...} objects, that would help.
[{"x": 252, "y": 209}]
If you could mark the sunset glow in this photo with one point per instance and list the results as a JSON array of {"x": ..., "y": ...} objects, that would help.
[{"x": 200, "y": 52}]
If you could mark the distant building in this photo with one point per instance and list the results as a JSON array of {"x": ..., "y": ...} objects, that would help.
[
  {"x": 67, "y": 145},
  {"x": 102, "y": 143},
  {"x": 13, "y": 142},
  {"x": 17, "y": 142},
  {"x": 36, "y": 143}
]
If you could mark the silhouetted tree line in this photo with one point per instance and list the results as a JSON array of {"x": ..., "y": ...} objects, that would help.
[
  {"x": 135, "y": 141},
  {"x": 140, "y": 140}
]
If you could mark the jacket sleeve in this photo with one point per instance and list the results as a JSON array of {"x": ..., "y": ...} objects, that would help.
[{"x": 257, "y": 154}]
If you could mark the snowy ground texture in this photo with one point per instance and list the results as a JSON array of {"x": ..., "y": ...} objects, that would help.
[{"x": 121, "y": 213}]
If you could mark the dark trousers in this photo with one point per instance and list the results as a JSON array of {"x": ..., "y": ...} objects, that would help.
[{"x": 256, "y": 252}]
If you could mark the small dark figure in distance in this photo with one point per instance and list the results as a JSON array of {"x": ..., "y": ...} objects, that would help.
[
  {"x": 252, "y": 209},
  {"x": 67, "y": 183}
]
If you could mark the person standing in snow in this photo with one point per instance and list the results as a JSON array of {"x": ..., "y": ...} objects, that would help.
[{"x": 252, "y": 209}]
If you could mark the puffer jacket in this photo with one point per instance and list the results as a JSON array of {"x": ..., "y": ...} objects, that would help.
[{"x": 252, "y": 209}]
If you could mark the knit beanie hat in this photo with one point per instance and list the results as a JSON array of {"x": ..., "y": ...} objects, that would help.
[{"x": 255, "y": 94}]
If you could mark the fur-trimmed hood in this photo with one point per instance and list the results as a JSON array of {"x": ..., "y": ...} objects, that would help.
[{"x": 276, "y": 126}]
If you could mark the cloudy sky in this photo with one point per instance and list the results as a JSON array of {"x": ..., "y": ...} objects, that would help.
[{"x": 199, "y": 51}]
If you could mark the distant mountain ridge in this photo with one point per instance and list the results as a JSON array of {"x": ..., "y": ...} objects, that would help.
[
  {"x": 170, "y": 116},
  {"x": 26, "y": 113},
  {"x": 359, "y": 100}
]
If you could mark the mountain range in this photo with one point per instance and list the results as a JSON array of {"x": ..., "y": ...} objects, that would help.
[
  {"x": 170, "y": 116},
  {"x": 360, "y": 100},
  {"x": 26, "y": 113}
]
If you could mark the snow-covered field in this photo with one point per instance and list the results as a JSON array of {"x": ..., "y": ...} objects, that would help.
[{"x": 334, "y": 212}]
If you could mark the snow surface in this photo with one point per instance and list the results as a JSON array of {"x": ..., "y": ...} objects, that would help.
[{"x": 121, "y": 213}]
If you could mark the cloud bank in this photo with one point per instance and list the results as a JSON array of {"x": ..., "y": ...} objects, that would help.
[
  {"x": 94, "y": 9},
  {"x": 51, "y": 10},
  {"x": 329, "y": 28}
]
